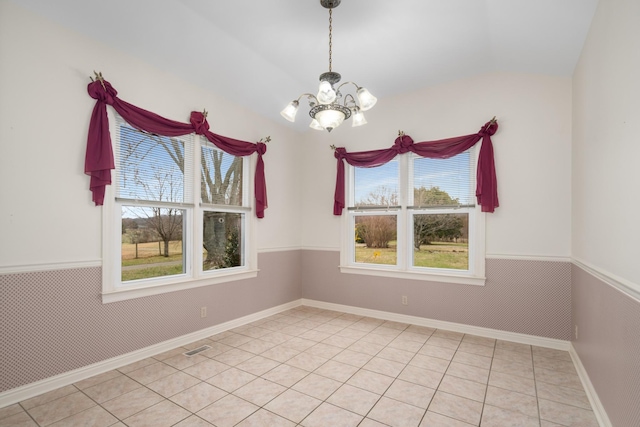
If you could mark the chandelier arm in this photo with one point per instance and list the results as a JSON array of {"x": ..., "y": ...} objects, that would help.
[
  {"x": 346, "y": 101},
  {"x": 308, "y": 95},
  {"x": 346, "y": 83}
]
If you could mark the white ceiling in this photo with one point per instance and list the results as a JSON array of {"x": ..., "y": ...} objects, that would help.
[{"x": 262, "y": 54}]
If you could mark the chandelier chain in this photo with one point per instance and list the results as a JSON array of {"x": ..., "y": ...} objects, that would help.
[{"x": 330, "y": 40}]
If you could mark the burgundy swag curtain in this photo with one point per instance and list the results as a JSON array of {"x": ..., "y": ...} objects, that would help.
[
  {"x": 99, "y": 157},
  {"x": 487, "y": 185}
]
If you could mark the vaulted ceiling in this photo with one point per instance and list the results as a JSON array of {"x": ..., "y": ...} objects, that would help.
[{"x": 262, "y": 54}]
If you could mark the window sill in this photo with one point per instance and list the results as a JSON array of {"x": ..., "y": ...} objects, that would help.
[
  {"x": 126, "y": 293},
  {"x": 415, "y": 275}
]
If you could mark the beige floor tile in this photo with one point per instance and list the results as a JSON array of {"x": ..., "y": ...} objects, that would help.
[
  {"x": 324, "y": 350},
  {"x": 384, "y": 366},
  {"x": 207, "y": 369},
  {"x": 197, "y": 397},
  {"x": 566, "y": 395},
  {"x": 396, "y": 355},
  {"x": 180, "y": 361},
  {"x": 21, "y": 419},
  {"x": 259, "y": 391},
  {"x": 410, "y": 393},
  {"x": 433, "y": 419},
  {"x": 475, "y": 339},
  {"x": 150, "y": 373},
  {"x": 132, "y": 402},
  {"x": 280, "y": 353},
  {"x": 432, "y": 350},
  {"x": 336, "y": 370},
  {"x": 61, "y": 408},
  {"x": 450, "y": 335},
  {"x": 329, "y": 415},
  {"x": 235, "y": 340},
  {"x": 479, "y": 349},
  {"x": 354, "y": 399},
  {"x": 307, "y": 361},
  {"x": 97, "y": 379},
  {"x": 366, "y": 347},
  {"x": 513, "y": 368},
  {"x": 513, "y": 383},
  {"x": 172, "y": 384},
  {"x": 554, "y": 364},
  {"x": 463, "y": 388},
  {"x": 374, "y": 338},
  {"x": 564, "y": 379},
  {"x": 353, "y": 358},
  {"x": 299, "y": 344},
  {"x": 257, "y": 365},
  {"x": 513, "y": 355},
  {"x": 285, "y": 375},
  {"x": 473, "y": 360},
  {"x": 513, "y": 346},
  {"x": 293, "y": 405},
  {"x": 10, "y": 410},
  {"x": 228, "y": 411},
  {"x": 233, "y": 357},
  {"x": 49, "y": 396},
  {"x": 512, "y": 401},
  {"x": 111, "y": 388},
  {"x": 430, "y": 362},
  {"x": 215, "y": 349},
  {"x": 406, "y": 343},
  {"x": 395, "y": 413},
  {"x": 371, "y": 381},
  {"x": 566, "y": 415},
  {"x": 439, "y": 341},
  {"x": 368, "y": 422},
  {"x": 263, "y": 418},
  {"x": 351, "y": 333},
  {"x": 317, "y": 386},
  {"x": 257, "y": 346},
  {"x": 231, "y": 379},
  {"x": 499, "y": 417},
  {"x": 456, "y": 407},
  {"x": 193, "y": 421},
  {"x": 95, "y": 416},
  {"x": 468, "y": 372},
  {"x": 420, "y": 376},
  {"x": 163, "y": 414},
  {"x": 315, "y": 335},
  {"x": 551, "y": 352}
]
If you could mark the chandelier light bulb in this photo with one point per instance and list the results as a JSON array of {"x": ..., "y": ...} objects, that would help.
[
  {"x": 326, "y": 94},
  {"x": 367, "y": 101},
  {"x": 290, "y": 111},
  {"x": 330, "y": 119},
  {"x": 358, "y": 118},
  {"x": 315, "y": 125}
]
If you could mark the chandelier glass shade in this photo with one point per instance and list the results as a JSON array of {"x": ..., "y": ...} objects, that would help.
[{"x": 330, "y": 106}]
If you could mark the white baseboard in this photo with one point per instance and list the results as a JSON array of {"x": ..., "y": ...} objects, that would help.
[
  {"x": 439, "y": 324},
  {"x": 27, "y": 391},
  {"x": 596, "y": 404}
]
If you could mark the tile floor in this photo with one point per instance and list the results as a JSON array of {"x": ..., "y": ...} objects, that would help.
[{"x": 318, "y": 368}]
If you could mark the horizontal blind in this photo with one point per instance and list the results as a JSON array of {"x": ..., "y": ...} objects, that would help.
[
  {"x": 152, "y": 167},
  {"x": 443, "y": 182}
]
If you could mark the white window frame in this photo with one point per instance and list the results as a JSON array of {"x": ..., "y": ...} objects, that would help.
[
  {"x": 114, "y": 290},
  {"x": 475, "y": 275}
]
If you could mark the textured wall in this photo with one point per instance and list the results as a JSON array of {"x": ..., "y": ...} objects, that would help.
[
  {"x": 54, "y": 321},
  {"x": 528, "y": 297},
  {"x": 609, "y": 344}
]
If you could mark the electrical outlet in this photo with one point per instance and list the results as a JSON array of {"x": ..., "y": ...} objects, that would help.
[
  {"x": 203, "y": 312},
  {"x": 404, "y": 300},
  {"x": 576, "y": 332}
]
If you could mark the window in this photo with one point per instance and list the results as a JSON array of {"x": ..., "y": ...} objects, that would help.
[
  {"x": 415, "y": 217},
  {"x": 159, "y": 235}
]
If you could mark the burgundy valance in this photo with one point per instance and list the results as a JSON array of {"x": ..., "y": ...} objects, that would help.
[
  {"x": 487, "y": 185},
  {"x": 99, "y": 157}
]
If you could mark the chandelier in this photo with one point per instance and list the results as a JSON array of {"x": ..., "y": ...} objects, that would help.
[{"x": 329, "y": 108}]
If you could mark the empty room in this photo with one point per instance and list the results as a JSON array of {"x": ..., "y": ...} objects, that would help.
[{"x": 319, "y": 213}]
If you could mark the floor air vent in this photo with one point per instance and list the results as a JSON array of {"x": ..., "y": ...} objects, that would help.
[{"x": 197, "y": 350}]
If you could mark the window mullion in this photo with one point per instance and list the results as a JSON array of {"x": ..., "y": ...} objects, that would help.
[
  {"x": 196, "y": 229},
  {"x": 403, "y": 222}
]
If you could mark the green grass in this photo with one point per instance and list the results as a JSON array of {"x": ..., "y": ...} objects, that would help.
[
  {"x": 152, "y": 260},
  {"x": 155, "y": 271},
  {"x": 436, "y": 255}
]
